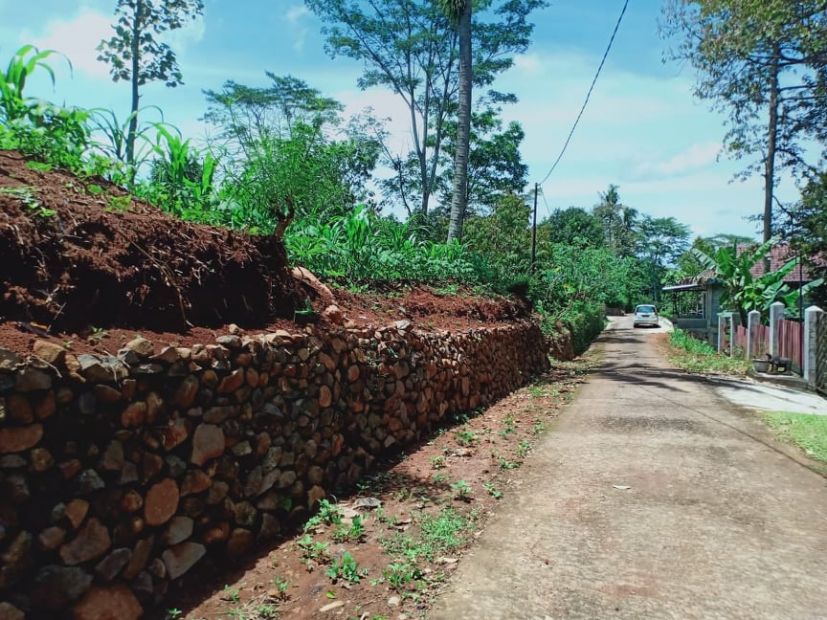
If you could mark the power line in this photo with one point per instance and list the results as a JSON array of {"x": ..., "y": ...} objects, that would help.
[{"x": 589, "y": 94}]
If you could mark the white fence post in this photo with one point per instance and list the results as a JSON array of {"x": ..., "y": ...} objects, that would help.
[
  {"x": 776, "y": 314},
  {"x": 812, "y": 316},
  {"x": 753, "y": 321}
]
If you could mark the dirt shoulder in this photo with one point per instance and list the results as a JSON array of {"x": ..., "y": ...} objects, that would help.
[{"x": 406, "y": 529}]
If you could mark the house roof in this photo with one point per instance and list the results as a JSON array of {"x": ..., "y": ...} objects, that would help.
[{"x": 779, "y": 256}]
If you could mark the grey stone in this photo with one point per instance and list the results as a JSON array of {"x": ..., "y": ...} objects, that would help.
[
  {"x": 180, "y": 558},
  {"x": 55, "y": 587},
  {"x": 88, "y": 481},
  {"x": 111, "y": 566},
  {"x": 178, "y": 530}
]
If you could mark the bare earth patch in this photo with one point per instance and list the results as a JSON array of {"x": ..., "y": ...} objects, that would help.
[{"x": 388, "y": 550}]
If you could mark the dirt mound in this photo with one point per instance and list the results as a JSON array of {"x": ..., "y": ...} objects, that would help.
[{"x": 79, "y": 252}]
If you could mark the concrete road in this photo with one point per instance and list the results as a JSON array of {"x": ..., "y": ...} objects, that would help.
[{"x": 652, "y": 497}]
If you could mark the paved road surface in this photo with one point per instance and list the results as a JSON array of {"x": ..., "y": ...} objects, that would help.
[{"x": 719, "y": 521}]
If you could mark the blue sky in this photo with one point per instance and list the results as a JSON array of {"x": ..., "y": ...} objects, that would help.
[{"x": 642, "y": 129}]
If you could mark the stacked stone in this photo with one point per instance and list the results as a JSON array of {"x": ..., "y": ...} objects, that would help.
[{"x": 118, "y": 474}]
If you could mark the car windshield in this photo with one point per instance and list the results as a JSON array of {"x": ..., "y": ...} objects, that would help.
[{"x": 645, "y": 309}]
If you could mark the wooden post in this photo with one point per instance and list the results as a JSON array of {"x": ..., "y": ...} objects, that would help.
[{"x": 534, "y": 230}]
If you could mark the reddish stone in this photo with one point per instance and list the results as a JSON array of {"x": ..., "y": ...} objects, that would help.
[
  {"x": 19, "y": 438},
  {"x": 107, "y": 394},
  {"x": 154, "y": 405},
  {"x": 19, "y": 409},
  {"x": 140, "y": 556},
  {"x": 108, "y": 603},
  {"x": 252, "y": 377},
  {"x": 91, "y": 542},
  {"x": 207, "y": 443},
  {"x": 174, "y": 434},
  {"x": 353, "y": 374},
  {"x": 239, "y": 542},
  {"x": 132, "y": 501},
  {"x": 231, "y": 382},
  {"x": 161, "y": 502},
  {"x": 217, "y": 533},
  {"x": 46, "y": 406},
  {"x": 151, "y": 466},
  {"x": 51, "y": 538},
  {"x": 42, "y": 459},
  {"x": 195, "y": 481},
  {"x": 134, "y": 415},
  {"x": 76, "y": 512},
  {"x": 325, "y": 396},
  {"x": 70, "y": 468}
]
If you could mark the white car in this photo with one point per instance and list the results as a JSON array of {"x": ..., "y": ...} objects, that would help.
[{"x": 646, "y": 314}]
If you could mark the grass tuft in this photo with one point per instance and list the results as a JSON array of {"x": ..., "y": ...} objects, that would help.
[{"x": 806, "y": 430}]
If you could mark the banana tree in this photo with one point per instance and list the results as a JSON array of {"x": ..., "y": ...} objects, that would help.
[{"x": 743, "y": 291}]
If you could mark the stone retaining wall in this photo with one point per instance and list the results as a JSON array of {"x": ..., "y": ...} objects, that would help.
[{"x": 119, "y": 474}]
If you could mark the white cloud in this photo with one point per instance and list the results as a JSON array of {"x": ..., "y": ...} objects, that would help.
[
  {"x": 528, "y": 64},
  {"x": 187, "y": 36},
  {"x": 77, "y": 38},
  {"x": 693, "y": 158},
  {"x": 295, "y": 19}
]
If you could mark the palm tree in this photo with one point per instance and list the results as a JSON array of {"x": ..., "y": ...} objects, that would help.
[{"x": 459, "y": 12}]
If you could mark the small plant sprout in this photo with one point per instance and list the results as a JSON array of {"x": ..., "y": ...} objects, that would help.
[
  {"x": 504, "y": 463},
  {"x": 510, "y": 426},
  {"x": 231, "y": 594},
  {"x": 438, "y": 462},
  {"x": 462, "y": 490},
  {"x": 400, "y": 574},
  {"x": 345, "y": 568},
  {"x": 492, "y": 490},
  {"x": 282, "y": 586},
  {"x": 523, "y": 448},
  {"x": 465, "y": 437},
  {"x": 329, "y": 514}
]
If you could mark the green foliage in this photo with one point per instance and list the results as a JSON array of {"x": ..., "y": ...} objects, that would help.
[
  {"x": 329, "y": 514},
  {"x": 462, "y": 490},
  {"x": 745, "y": 292},
  {"x": 492, "y": 490},
  {"x": 696, "y": 355},
  {"x": 400, "y": 574},
  {"x": 346, "y": 568},
  {"x": 808, "y": 431},
  {"x": 465, "y": 437}
]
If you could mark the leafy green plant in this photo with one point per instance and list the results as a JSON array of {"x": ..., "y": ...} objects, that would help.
[
  {"x": 400, "y": 574},
  {"x": 465, "y": 437},
  {"x": 523, "y": 448},
  {"x": 438, "y": 462},
  {"x": 329, "y": 514},
  {"x": 462, "y": 490},
  {"x": 504, "y": 463},
  {"x": 355, "y": 532},
  {"x": 313, "y": 550},
  {"x": 346, "y": 568},
  {"x": 492, "y": 490},
  {"x": 510, "y": 426}
]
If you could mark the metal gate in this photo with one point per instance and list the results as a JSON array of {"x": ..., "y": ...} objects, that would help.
[{"x": 821, "y": 355}]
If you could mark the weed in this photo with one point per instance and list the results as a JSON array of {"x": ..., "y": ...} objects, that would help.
[
  {"x": 266, "y": 611},
  {"x": 465, "y": 437},
  {"x": 174, "y": 613},
  {"x": 439, "y": 478},
  {"x": 492, "y": 490},
  {"x": 523, "y": 448},
  {"x": 119, "y": 204},
  {"x": 283, "y": 586},
  {"x": 329, "y": 514},
  {"x": 537, "y": 391},
  {"x": 510, "y": 426},
  {"x": 231, "y": 594},
  {"x": 313, "y": 550},
  {"x": 38, "y": 166},
  {"x": 538, "y": 427},
  {"x": 438, "y": 462},
  {"x": 400, "y": 574},
  {"x": 355, "y": 532},
  {"x": 462, "y": 490},
  {"x": 345, "y": 568},
  {"x": 504, "y": 463},
  {"x": 694, "y": 355},
  {"x": 25, "y": 195}
]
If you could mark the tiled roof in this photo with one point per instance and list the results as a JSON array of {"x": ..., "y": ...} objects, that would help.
[{"x": 780, "y": 255}]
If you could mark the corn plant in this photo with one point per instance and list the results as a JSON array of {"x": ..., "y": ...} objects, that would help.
[{"x": 28, "y": 59}]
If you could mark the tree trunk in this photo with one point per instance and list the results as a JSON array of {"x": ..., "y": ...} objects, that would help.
[
  {"x": 772, "y": 138},
  {"x": 136, "y": 67},
  {"x": 459, "y": 198}
]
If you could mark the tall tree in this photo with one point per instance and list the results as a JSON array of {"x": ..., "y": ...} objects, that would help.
[
  {"x": 763, "y": 63},
  {"x": 618, "y": 222},
  {"x": 459, "y": 11},
  {"x": 136, "y": 53},
  {"x": 411, "y": 47},
  {"x": 661, "y": 241}
]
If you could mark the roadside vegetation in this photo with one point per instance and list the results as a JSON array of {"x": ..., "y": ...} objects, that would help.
[
  {"x": 694, "y": 355},
  {"x": 805, "y": 430},
  {"x": 389, "y": 549}
]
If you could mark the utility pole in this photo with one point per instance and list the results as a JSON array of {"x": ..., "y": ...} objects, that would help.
[{"x": 534, "y": 231}]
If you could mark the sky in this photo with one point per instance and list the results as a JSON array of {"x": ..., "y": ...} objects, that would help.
[{"x": 642, "y": 130}]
